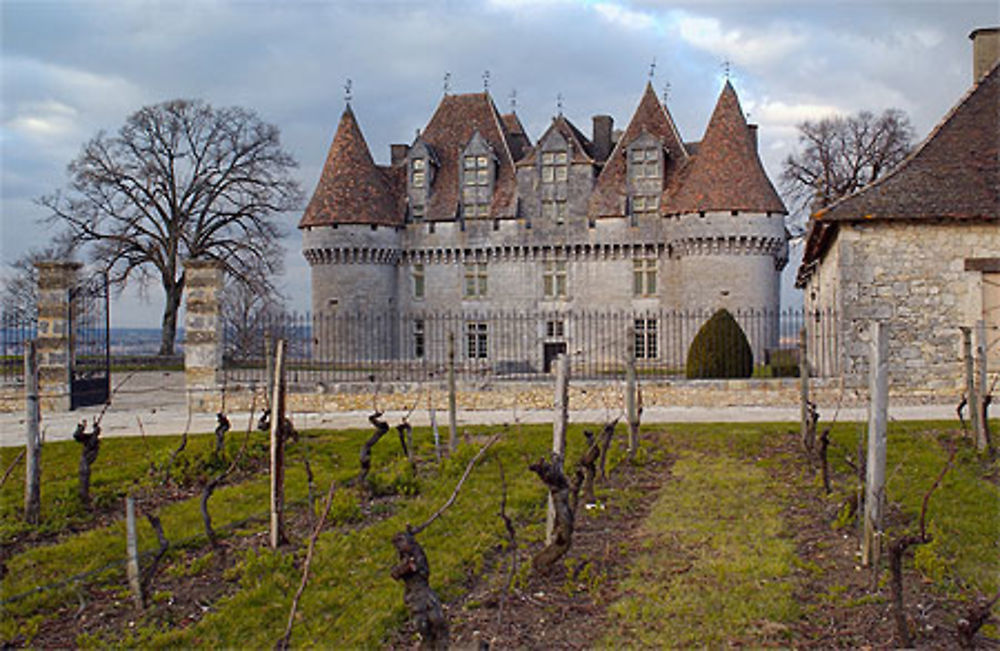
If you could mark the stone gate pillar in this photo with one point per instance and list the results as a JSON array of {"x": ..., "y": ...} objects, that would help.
[
  {"x": 202, "y": 333},
  {"x": 56, "y": 281}
]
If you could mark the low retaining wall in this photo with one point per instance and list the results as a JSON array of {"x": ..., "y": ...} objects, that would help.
[
  {"x": 826, "y": 392},
  {"x": 582, "y": 395}
]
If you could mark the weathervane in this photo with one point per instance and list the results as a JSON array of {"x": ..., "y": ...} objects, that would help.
[
  {"x": 447, "y": 83},
  {"x": 652, "y": 69},
  {"x": 559, "y": 103},
  {"x": 513, "y": 100},
  {"x": 347, "y": 92},
  {"x": 486, "y": 80},
  {"x": 666, "y": 91},
  {"x": 727, "y": 68}
]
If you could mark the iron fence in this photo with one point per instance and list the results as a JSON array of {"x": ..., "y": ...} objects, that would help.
[
  {"x": 16, "y": 330},
  {"x": 504, "y": 345}
]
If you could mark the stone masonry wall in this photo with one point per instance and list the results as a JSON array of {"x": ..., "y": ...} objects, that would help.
[{"x": 911, "y": 275}]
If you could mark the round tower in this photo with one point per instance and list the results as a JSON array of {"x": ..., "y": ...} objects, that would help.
[
  {"x": 351, "y": 239},
  {"x": 728, "y": 233}
]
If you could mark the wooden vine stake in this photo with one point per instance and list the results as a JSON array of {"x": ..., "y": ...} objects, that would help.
[
  {"x": 452, "y": 397},
  {"x": 631, "y": 404},
  {"x": 875, "y": 466},
  {"x": 278, "y": 449},
  {"x": 132, "y": 551},
  {"x": 560, "y": 418},
  {"x": 33, "y": 443},
  {"x": 982, "y": 394}
]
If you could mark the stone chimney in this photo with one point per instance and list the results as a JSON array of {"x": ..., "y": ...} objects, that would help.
[
  {"x": 985, "y": 50},
  {"x": 397, "y": 154},
  {"x": 753, "y": 135},
  {"x": 603, "y": 125}
]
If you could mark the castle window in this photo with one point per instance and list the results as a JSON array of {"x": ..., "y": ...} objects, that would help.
[
  {"x": 554, "y": 210},
  {"x": 644, "y": 277},
  {"x": 555, "y": 328},
  {"x": 418, "y": 281},
  {"x": 555, "y": 167},
  {"x": 554, "y": 279},
  {"x": 417, "y": 213},
  {"x": 477, "y": 193},
  {"x": 475, "y": 280},
  {"x": 418, "y": 173},
  {"x": 418, "y": 338},
  {"x": 645, "y": 339},
  {"x": 644, "y": 163},
  {"x": 476, "y": 340}
]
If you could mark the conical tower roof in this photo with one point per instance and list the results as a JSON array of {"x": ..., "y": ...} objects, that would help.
[
  {"x": 726, "y": 173},
  {"x": 650, "y": 117},
  {"x": 351, "y": 189}
]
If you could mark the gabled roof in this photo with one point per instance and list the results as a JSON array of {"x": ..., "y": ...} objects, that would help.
[
  {"x": 581, "y": 147},
  {"x": 652, "y": 117},
  {"x": 351, "y": 188},
  {"x": 451, "y": 127},
  {"x": 952, "y": 175},
  {"x": 726, "y": 174}
]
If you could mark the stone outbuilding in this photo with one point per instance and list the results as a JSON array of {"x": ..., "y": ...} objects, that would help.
[{"x": 918, "y": 248}]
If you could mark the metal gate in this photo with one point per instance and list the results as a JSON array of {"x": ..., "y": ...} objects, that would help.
[{"x": 90, "y": 345}]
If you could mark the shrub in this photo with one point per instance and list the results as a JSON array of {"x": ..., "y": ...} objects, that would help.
[{"x": 720, "y": 350}]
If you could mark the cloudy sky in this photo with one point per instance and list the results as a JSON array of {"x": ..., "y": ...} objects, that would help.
[{"x": 72, "y": 68}]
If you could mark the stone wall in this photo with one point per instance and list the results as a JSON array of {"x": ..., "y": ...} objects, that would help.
[{"x": 913, "y": 276}]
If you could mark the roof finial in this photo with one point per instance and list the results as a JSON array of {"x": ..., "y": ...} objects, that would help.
[
  {"x": 447, "y": 83},
  {"x": 486, "y": 81},
  {"x": 727, "y": 68},
  {"x": 513, "y": 100},
  {"x": 666, "y": 91},
  {"x": 559, "y": 103},
  {"x": 347, "y": 92},
  {"x": 652, "y": 70}
]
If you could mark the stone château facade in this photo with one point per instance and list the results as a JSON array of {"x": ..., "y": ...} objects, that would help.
[{"x": 473, "y": 217}]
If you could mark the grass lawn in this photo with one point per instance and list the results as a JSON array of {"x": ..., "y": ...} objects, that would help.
[{"x": 717, "y": 558}]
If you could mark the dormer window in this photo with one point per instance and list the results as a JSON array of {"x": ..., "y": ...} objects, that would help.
[
  {"x": 644, "y": 163},
  {"x": 555, "y": 167},
  {"x": 418, "y": 172},
  {"x": 478, "y": 170},
  {"x": 646, "y": 158}
]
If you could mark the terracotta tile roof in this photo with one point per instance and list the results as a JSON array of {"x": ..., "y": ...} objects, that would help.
[
  {"x": 517, "y": 139},
  {"x": 451, "y": 127},
  {"x": 583, "y": 149},
  {"x": 953, "y": 174},
  {"x": 726, "y": 174},
  {"x": 652, "y": 117},
  {"x": 351, "y": 188}
]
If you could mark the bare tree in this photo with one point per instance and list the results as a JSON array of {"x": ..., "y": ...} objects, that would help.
[
  {"x": 839, "y": 155},
  {"x": 181, "y": 180},
  {"x": 249, "y": 313}
]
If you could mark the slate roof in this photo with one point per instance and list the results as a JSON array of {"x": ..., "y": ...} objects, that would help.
[
  {"x": 454, "y": 122},
  {"x": 351, "y": 188},
  {"x": 608, "y": 197},
  {"x": 726, "y": 173},
  {"x": 952, "y": 175},
  {"x": 516, "y": 135}
]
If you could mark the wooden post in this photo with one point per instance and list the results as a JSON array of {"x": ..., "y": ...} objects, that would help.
[
  {"x": 559, "y": 422},
  {"x": 971, "y": 395},
  {"x": 982, "y": 440},
  {"x": 33, "y": 443},
  {"x": 132, "y": 552},
  {"x": 269, "y": 365},
  {"x": 807, "y": 431},
  {"x": 452, "y": 402},
  {"x": 278, "y": 448},
  {"x": 875, "y": 467},
  {"x": 631, "y": 408}
]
